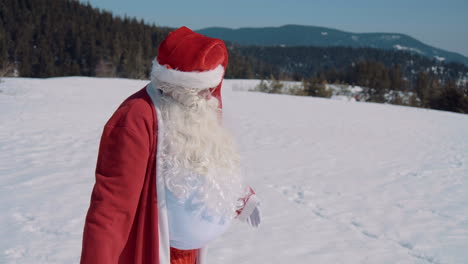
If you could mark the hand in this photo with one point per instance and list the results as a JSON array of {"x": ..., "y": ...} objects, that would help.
[
  {"x": 255, "y": 217},
  {"x": 250, "y": 211}
]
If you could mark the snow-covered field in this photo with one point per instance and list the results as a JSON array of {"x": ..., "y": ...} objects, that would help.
[{"x": 341, "y": 182}]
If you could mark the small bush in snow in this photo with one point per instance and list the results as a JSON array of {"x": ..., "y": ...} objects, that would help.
[
  {"x": 314, "y": 87},
  {"x": 271, "y": 86}
]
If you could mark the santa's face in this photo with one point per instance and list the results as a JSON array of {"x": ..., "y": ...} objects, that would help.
[
  {"x": 196, "y": 144},
  {"x": 195, "y": 130}
]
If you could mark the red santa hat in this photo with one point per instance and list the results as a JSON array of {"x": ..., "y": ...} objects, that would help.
[{"x": 191, "y": 60}]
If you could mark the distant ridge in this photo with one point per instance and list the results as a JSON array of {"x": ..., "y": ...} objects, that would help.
[{"x": 298, "y": 35}]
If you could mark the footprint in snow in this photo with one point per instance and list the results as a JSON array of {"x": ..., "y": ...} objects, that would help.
[
  {"x": 15, "y": 253},
  {"x": 369, "y": 234},
  {"x": 405, "y": 244}
]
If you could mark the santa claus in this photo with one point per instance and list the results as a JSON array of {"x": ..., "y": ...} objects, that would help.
[{"x": 167, "y": 175}]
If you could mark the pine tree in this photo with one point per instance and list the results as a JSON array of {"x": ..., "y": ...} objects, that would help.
[
  {"x": 450, "y": 99},
  {"x": 421, "y": 88},
  {"x": 396, "y": 78}
]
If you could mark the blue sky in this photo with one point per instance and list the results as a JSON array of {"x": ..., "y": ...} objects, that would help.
[{"x": 439, "y": 23}]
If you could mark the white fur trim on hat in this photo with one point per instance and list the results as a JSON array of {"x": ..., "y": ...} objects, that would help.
[{"x": 190, "y": 80}]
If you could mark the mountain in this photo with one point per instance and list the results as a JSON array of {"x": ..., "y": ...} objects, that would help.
[{"x": 297, "y": 35}]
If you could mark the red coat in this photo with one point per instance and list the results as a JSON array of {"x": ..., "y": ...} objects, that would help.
[{"x": 123, "y": 223}]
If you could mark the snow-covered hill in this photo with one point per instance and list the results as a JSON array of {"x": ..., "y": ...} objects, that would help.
[
  {"x": 301, "y": 35},
  {"x": 341, "y": 182}
]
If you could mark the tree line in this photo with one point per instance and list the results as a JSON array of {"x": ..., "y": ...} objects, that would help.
[{"x": 47, "y": 38}]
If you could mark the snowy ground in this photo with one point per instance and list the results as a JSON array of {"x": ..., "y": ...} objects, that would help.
[{"x": 341, "y": 182}]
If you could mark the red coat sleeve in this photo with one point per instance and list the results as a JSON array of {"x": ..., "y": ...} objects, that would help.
[{"x": 120, "y": 173}]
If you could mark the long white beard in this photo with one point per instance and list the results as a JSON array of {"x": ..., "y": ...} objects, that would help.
[{"x": 199, "y": 154}]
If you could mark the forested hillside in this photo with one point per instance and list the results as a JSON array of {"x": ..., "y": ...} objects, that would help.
[
  {"x": 306, "y": 35},
  {"x": 48, "y": 38}
]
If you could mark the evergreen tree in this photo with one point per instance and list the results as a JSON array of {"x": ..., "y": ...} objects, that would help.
[
  {"x": 396, "y": 78},
  {"x": 450, "y": 99},
  {"x": 422, "y": 87}
]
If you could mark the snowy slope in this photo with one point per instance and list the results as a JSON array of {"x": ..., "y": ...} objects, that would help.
[{"x": 341, "y": 182}]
